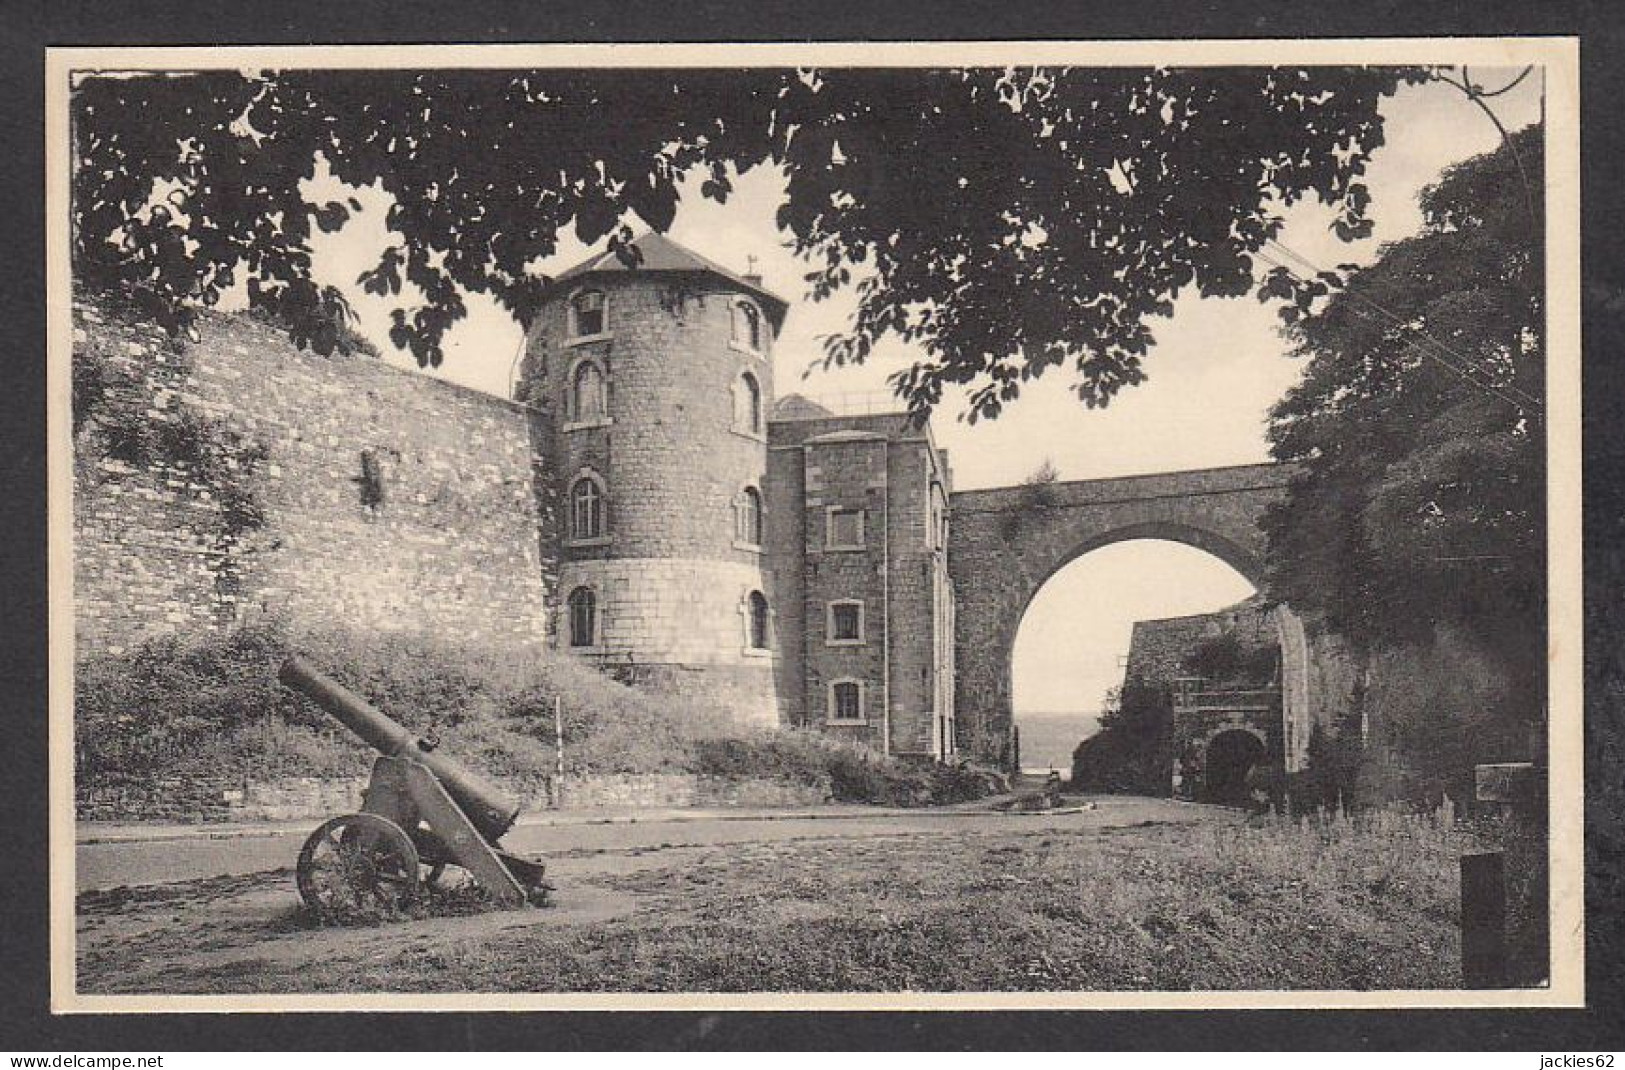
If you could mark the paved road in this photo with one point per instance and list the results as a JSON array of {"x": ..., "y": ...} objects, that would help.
[{"x": 133, "y": 855}]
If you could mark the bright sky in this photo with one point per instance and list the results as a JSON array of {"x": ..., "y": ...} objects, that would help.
[{"x": 1216, "y": 368}]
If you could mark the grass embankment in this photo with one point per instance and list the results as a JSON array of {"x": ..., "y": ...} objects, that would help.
[
  {"x": 211, "y": 707},
  {"x": 1156, "y": 909},
  {"x": 986, "y": 905}
]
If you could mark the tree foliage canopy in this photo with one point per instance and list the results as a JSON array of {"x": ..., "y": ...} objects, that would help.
[
  {"x": 1133, "y": 751},
  {"x": 1227, "y": 662},
  {"x": 1006, "y": 221},
  {"x": 1420, "y": 428}
]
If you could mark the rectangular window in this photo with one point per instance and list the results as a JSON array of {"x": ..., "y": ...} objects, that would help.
[
  {"x": 587, "y": 314},
  {"x": 583, "y": 610},
  {"x": 845, "y": 528},
  {"x": 586, "y": 510},
  {"x": 846, "y": 622},
  {"x": 846, "y": 701}
]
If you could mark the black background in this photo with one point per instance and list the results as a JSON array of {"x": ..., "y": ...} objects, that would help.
[{"x": 27, "y": 28}]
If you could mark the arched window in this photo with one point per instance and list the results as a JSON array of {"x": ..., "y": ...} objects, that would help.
[
  {"x": 748, "y": 517},
  {"x": 587, "y": 395},
  {"x": 583, "y": 617},
  {"x": 758, "y": 620},
  {"x": 747, "y": 326},
  {"x": 586, "y": 509},
  {"x": 748, "y": 404},
  {"x": 587, "y": 314}
]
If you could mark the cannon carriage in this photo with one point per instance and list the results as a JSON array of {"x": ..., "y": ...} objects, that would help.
[{"x": 420, "y": 813}]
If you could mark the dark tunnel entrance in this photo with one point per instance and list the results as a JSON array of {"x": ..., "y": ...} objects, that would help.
[{"x": 1230, "y": 757}]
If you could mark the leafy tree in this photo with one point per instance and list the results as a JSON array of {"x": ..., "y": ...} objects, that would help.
[
  {"x": 1133, "y": 751},
  {"x": 1006, "y": 221},
  {"x": 1037, "y": 494},
  {"x": 1046, "y": 474},
  {"x": 1419, "y": 424},
  {"x": 1225, "y": 660}
]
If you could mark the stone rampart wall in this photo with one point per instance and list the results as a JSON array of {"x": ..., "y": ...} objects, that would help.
[
  {"x": 451, "y": 546},
  {"x": 220, "y": 799}
]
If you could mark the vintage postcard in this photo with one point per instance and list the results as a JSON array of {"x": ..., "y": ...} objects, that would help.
[{"x": 979, "y": 525}]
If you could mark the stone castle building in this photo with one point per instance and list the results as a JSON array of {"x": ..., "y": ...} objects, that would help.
[
  {"x": 788, "y": 563},
  {"x": 645, "y": 502}
]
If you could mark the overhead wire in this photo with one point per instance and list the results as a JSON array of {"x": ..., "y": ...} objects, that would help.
[
  {"x": 1477, "y": 96},
  {"x": 1519, "y": 398},
  {"x": 1461, "y": 373},
  {"x": 1393, "y": 317}
]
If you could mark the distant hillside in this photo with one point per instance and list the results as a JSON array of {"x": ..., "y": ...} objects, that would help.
[{"x": 1048, "y": 738}]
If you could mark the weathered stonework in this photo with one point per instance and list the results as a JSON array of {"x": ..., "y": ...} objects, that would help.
[
  {"x": 1205, "y": 710},
  {"x": 682, "y": 790},
  {"x": 895, "y": 482},
  {"x": 660, "y": 614},
  {"x": 1005, "y": 543},
  {"x": 674, "y": 447},
  {"x": 222, "y": 799},
  {"x": 474, "y": 534},
  {"x": 452, "y": 547}
]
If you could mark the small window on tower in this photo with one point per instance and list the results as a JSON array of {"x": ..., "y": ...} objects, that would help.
[
  {"x": 748, "y": 518},
  {"x": 583, "y": 617},
  {"x": 587, "y": 313},
  {"x": 845, "y": 622},
  {"x": 748, "y": 405},
  {"x": 587, "y": 400},
  {"x": 846, "y": 700},
  {"x": 758, "y": 620},
  {"x": 748, "y": 326},
  {"x": 586, "y": 509}
]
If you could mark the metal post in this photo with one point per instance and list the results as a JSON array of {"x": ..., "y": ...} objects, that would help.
[
  {"x": 558, "y": 752},
  {"x": 1483, "y": 921}
]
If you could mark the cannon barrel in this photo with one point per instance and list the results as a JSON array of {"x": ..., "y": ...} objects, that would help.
[{"x": 490, "y": 808}]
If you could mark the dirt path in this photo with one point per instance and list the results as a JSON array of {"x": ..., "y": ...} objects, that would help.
[
  {"x": 138, "y": 939},
  {"x": 216, "y": 932},
  {"x": 109, "y": 862}
]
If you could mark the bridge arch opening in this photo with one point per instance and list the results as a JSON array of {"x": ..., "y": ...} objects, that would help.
[
  {"x": 1071, "y": 642},
  {"x": 1008, "y": 543}
]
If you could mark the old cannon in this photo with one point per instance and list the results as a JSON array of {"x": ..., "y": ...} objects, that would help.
[{"x": 420, "y": 812}]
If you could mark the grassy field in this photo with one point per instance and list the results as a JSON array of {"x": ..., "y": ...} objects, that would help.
[{"x": 1001, "y": 906}]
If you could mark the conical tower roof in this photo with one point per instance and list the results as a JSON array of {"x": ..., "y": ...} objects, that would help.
[{"x": 662, "y": 254}]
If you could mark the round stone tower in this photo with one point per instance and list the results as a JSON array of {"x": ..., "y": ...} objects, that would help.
[{"x": 654, "y": 384}]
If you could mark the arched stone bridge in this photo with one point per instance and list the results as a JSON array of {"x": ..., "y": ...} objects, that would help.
[{"x": 1006, "y": 542}]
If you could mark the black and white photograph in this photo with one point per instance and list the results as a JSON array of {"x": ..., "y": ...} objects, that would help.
[{"x": 1042, "y": 525}]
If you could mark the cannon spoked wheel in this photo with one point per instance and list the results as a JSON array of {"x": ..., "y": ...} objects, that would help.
[{"x": 358, "y": 867}]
